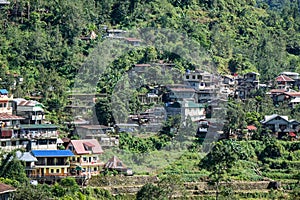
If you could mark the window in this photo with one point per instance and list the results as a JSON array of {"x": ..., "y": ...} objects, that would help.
[
  {"x": 187, "y": 77},
  {"x": 4, "y": 105},
  {"x": 52, "y": 171},
  {"x": 95, "y": 158},
  {"x": 194, "y": 77},
  {"x": 84, "y": 159},
  {"x": 199, "y": 77},
  {"x": 13, "y": 143},
  {"x": 95, "y": 169},
  {"x": 3, "y": 144},
  {"x": 57, "y": 170},
  {"x": 1, "y": 105}
]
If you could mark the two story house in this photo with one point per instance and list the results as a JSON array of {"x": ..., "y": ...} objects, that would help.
[
  {"x": 280, "y": 125},
  {"x": 86, "y": 160},
  {"x": 52, "y": 162}
]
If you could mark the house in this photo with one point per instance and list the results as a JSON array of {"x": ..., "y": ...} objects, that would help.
[
  {"x": 85, "y": 130},
  {"x": 178, "y": 92},
  {"x": 294, "y": 102},
  {"x": 293, "y": 75},
  {"x": 116, "y": 164},
  {"x": 4, "y": 2},
  {"x": 284, "y": 82},
  {"x": 115, "y": 33},
  {"x": 104, "y": 134},
  {"x": 29, "y": 162},
  {"x": 246, "y": 84},
  {"x": 28, "y": 137},
  {"x": 193, "y": 110},
  {"x": 186, "y": 108},
  {"x": 124, "y": 127},
  {"x": 52, "y": 162},
  {"x": 32, "y": 111},
  {"x": 280, "y": 125},
  {"x": 6, "y": 192},
  {"x": 5, "y": 99},
  {"x": 86, "y": 160},
  {"x": 133, "y": 41},
  {"x": 285, "y": 97}
]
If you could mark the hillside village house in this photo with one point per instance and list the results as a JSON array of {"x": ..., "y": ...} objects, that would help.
[
  {"x": 86, "y": 160},
  {"x": 52, "y": 162},
  {"x": 249, "y": 82},
  {"x": 6, "y": 192},
  {"x": 32, "y": 111},
  {"x": 280, "y": 125},
  {"x": 178, "y": 92},
  {"x": 284, "y": 82},
  {"x": 29, "y": 162},
  {"x": 116, "y": 164},
  {"x": 284, "y": 97}
]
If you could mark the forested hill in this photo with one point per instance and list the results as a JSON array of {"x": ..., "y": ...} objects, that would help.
[{"x": 40, "y": 40}]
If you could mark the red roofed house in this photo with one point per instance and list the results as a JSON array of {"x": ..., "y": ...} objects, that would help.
[
  {"x": 86, "y": 160},
  {"x": 6, "y": 191},
  {"x": 284, "y": 81}
]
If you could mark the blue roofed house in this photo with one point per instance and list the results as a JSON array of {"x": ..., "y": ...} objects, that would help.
[{"x": 52, "y": 162}]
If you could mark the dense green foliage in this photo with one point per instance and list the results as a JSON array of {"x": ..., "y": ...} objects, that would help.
[{"x": 40, "y": 40}]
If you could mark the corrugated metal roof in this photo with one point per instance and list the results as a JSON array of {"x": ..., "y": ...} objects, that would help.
[
  {"x": 114, "y": 163},
  {"x": 5, "y": 116},
  {"x": 80, "y": 149},
  {"x": 38, "y": 126},
  {"x": 3, "y": 91},
  {"x": 52, "y": 153},
  {"x": 6, "y": 188}
]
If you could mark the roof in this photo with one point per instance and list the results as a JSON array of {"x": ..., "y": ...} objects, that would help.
[
  {"x": 38, "y": 126},
  {"x": 296, "y": 100},
  {"x": 293, "y": 94},
  {"x": 26, "y": 156},
  {"x": 251, "y": 128},
  {"x": 93, "y": 127},
  {"x": 59, "y": 141},
  {"x": 271, "y": 117},
  {"x": 289, "y": 73},
  {"x": 4, "y": 188},
  {"x": 292, "y": 134},
  {"x": 277, "y": 91},
  {"x": 6, "y": 116},
  {"x": 114, "y": 163},
  {"x": 52, "y": 153},
  {"x": 24, "y": 102},
  {"x": 79, "y": 146},
  {"x": 253, "y": 73},
  {"x": 142, "y": 65},
  {"x": 3, "y": 91},
  {"x": 284, "y": 78},
  {"x": 191, "y": 104},
  {"x": 132, "y": 40}
]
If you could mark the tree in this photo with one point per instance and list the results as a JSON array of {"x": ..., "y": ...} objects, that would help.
[
  {"x": 220, "y": 160},
  {"x": 12, "y": 168},
  {"x": 150, "y": 192}
]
